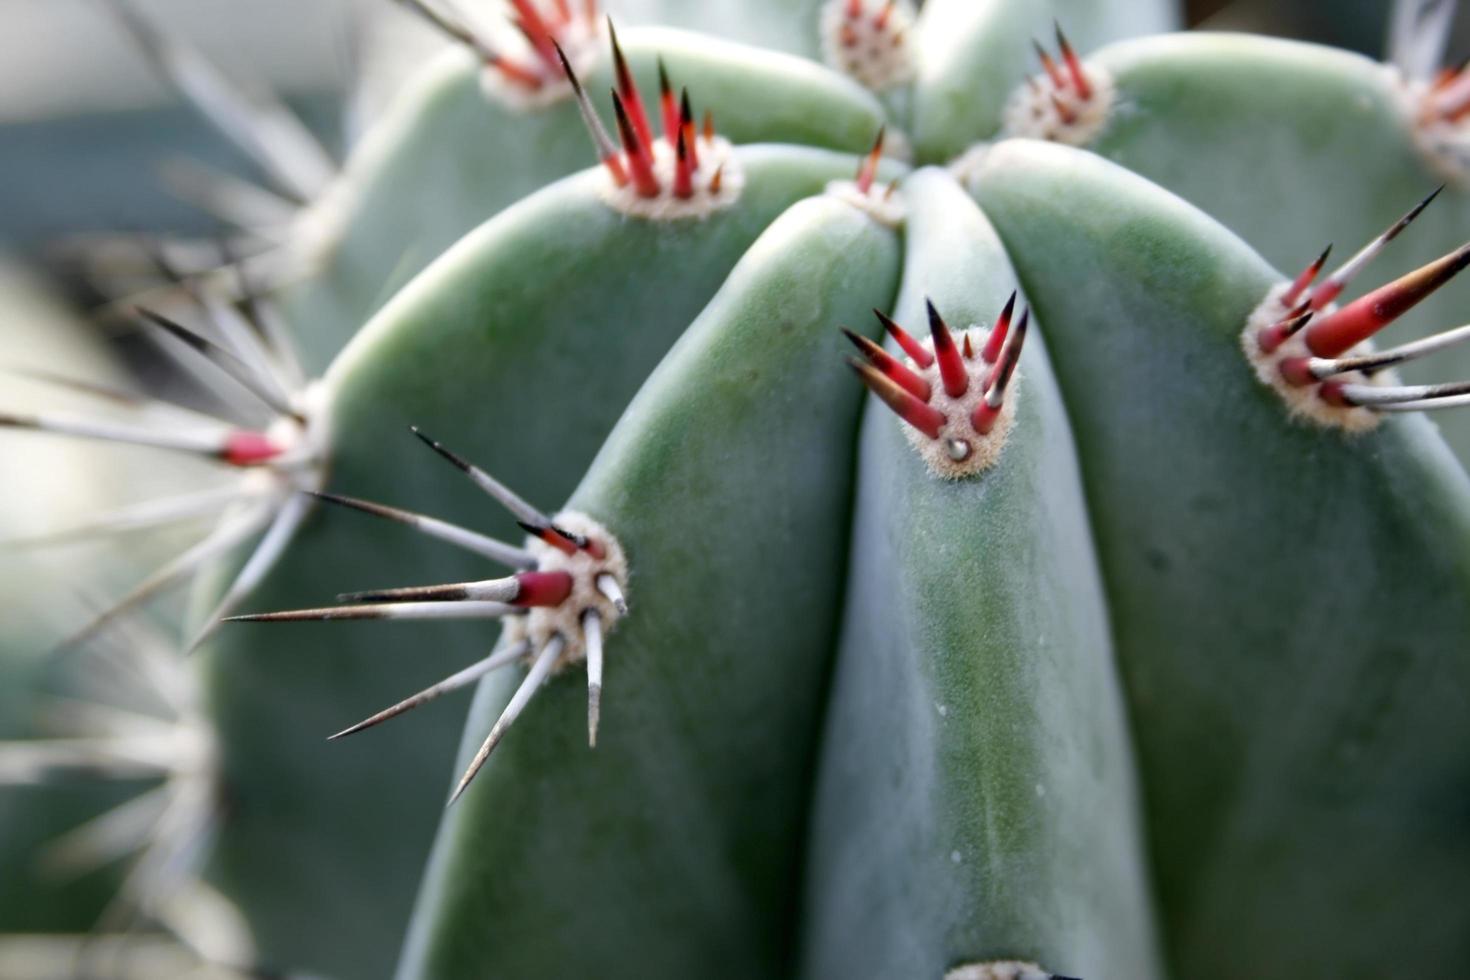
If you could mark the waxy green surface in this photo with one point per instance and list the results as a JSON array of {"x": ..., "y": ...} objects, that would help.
[
  {"x": 673, "y": 848},
  {"x": 448, "y": 156},
  {"x": 1290, "y": 605},
  {"x": 977, "y": 798},
  {"x": 1294, "y": 146},
  {"x": 523, "y": 372}
]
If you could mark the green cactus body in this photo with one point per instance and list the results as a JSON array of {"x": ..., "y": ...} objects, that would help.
[
  {"x": 1293, "y": 146},
  {"x": 1273, "y": 745},
  {"x": 551, "y": 354},
  {"x": 689, "y": 863},
  {"x": 863, "y": 716},
  {"x": 977, "y": 795},
  {"x": 975, "y": 50}
]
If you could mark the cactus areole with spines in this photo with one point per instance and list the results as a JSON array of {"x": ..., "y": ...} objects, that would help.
[{"x": 1040, "y": 664}]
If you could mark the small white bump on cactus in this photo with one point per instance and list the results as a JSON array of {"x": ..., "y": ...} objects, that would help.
[
  {"x": 1321, "y": 359},
  {"x": 869, "y": 41},
  {"x": 568, "y": 592},
  {"x": 952, "y": 394},
  {"x": 1066, "y": 103}
]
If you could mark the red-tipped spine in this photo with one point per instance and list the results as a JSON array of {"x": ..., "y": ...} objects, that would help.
[
  {"x": 880, "y": 21},
  {"x": 1058, "y": 80},
  {"x": 683, "y": 170},
  {"x": 246, "y": 448},
  {"x": 1308, "y": 275},
  {"x": 1271, "y": 337},
  {"x": 640, "y": 162},
  {"x": 686, "y": 126},
  {"x": 606, "y": 150},
  {"x": 1334, "y": 335},
  {"x": 891, "y": 366},
  {"x": 531, "y": 24},
  {"x": 966, "y": 349},
  {"x": 556, "y": 538},
  {"x": 952, "y": 371},
  {"x": 667, "y": 106},
  {"x": 904, "y": 339},
  {"x": 984, "y": 416},
  {"x": 1064, "y": 112},
  {"x": 921, "y": 416},
  {"x": 1334, "y": 284},
  {"x": 997, "y": 338},
  {"x": 717, "y": 181},
  {"x": 1296, "y": 371},
  {"x": 868, "y": 169},
  {"x": 542, "y": 588},
  {"x": 1074, "y": 66},
  {"x": 632, "y": 101}
]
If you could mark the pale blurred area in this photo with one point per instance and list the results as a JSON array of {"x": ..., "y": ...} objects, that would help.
[{"x": 66, "y": 57}]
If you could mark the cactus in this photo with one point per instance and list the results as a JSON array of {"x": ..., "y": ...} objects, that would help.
[{"x": 1129, "y": 643}]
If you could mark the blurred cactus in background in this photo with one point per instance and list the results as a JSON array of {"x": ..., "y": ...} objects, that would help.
[{"x": 1121, "y": 634}]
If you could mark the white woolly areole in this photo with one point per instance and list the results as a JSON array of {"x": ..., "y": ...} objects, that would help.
[
  {"x": 984, "y": 450},
  {"x": 1303, "y": 402},
  {"x": 1444, "y": 144},
  {"x": 541, "y": 623},
  {"x": 998, "y": 970},
  {"x": 877, "y": 58},
  {"x": 1031, "y": 112},
  {"x": 304, "y": 442},
  {"x": 580, "y": 40},
  {"x": 713, "y": 155},
  {"x": 888, "y": 209}
]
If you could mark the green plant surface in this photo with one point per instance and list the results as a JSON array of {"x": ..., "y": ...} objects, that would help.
[
  {"x": 727, "y": 482},
  {"x": 1289, "y": 603},
  {"x": 449, "y": 156},
  {"x": 977, "y": 798},
  {"x": 522, "y": 371},
  {"x": 1293, "y": 146},
  {"x": 976, "y": 51}
]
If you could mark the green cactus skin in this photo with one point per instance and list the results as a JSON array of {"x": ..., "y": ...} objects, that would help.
[
  {"x": 1289, "y": 603},
  {"x": 545, "y": 364},
  {"x": 688, "y": 863},
  {"x": 974, "y": 51},
  {"x": 1292, "y": 146},
  {"x": 449, "y": 157},
  {"x": 976, "y": 798}
]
